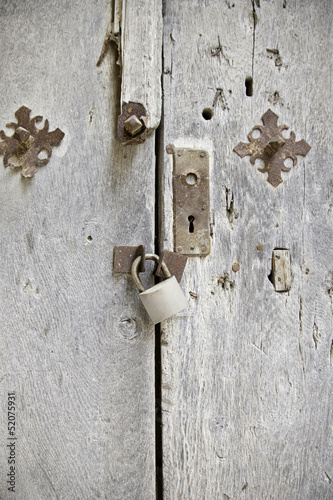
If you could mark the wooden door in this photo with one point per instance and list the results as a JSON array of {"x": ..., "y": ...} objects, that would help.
[
  {"x": 74, "y": 347},
  {"x": 246, "y": 370},
  {"x": 241, "y": 405}
]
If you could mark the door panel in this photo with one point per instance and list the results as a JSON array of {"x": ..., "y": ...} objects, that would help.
[
  {"x": 246, "y": 370},
  {"x": 75, "y": 346}
]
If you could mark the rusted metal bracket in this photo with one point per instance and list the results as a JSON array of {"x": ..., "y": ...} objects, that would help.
[
  {"x": 124, "y": 256},
  {"x": 190, "y": 200},
  {"x": 28, "y": 142},
  {"x": 175, "y": 262},
  {"x": 132, "y": 123},
  {"x": 272, "y": 148}
]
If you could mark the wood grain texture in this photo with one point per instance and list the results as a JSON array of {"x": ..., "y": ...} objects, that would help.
[
  {"x": 247, "y": 372},
  {"x": 75, "y": 343},
  {"x": 141, "y": 56}
]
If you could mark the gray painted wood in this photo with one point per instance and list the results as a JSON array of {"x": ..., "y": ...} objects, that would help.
[
  {"x": 75, "y": 344},
  {"x": 141, "y": 56},
  {"x": 246, "y": 371}
]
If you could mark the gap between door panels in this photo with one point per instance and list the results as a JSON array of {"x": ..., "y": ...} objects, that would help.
[{"x": 158, "y": 362}]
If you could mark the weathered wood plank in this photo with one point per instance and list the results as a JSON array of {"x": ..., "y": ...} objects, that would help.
[
  {"x": 73, "y": 346},
  {"x": 141, "y": 56},
  {"x": 247, "y": 371}
]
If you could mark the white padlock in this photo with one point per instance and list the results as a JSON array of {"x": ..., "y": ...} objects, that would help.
[{"x": 164, "y": 299}]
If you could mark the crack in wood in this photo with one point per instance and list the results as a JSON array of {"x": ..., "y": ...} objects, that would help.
[
  {"x": 300, "y": 337},
  {"x": 255, "y": 20},
  {"x": 110, "y": 38},
  {"x": 218, "y": 51},
  {"x": 221, "y": 99},
  {"x": 316, "y": 335}
]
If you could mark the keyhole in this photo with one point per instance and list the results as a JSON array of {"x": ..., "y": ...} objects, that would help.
[
  {"x": 249, "y": 86},
  {"x": 191, "y": 225}
]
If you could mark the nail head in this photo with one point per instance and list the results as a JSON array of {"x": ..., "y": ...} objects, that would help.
[{"x": 235, "y": 267}]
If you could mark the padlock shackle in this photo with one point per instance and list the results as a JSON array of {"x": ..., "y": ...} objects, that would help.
[{"x": 135, "y": 265}]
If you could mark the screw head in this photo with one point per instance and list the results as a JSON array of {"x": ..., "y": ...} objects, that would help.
[
  {"x": 203, "y": 249},
  {"x": 202, "y": 154},
  {"x": 179, "y": 153},
  {"x": 133, "y": 125},
  {"x": 203, "y": 207},
  {"x": 23, "y": 134},
  {"x": 179, "y": 249},
  {"x": 191, "y": 248},
  {"x": 181, "y": 204}
]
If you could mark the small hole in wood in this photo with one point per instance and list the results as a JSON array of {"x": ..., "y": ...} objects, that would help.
[
  {"x": 208, "y": 113},
  {"x": 191, "y": 219},
  {"x": 249, "y": 86},
  {"x": 89, "y": 238},
  {"x": 191, "y": 179}
]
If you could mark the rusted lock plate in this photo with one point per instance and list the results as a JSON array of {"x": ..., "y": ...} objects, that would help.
[{"x": 190, "y": 200}]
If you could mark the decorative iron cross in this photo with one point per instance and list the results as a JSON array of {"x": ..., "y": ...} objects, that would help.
[
  {"x": 272, "y": 148},
  {"x": 28, "y": 142}
]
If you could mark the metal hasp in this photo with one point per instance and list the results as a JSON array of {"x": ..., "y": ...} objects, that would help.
[
  {"x": 272, "y": 147},
  {"x": 190, "y": 200},
  {"x": 28, "y": 142},
  {"x": 176, "y": 262},
  {"x": 124, "y": 256}
]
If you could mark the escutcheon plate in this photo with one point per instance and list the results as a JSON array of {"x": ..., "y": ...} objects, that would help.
[{"x": 190, "y": 200}]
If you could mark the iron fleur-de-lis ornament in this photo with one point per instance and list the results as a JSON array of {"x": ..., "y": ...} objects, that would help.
[
  {"x": 28, "y": 142},
  {"x": 272, "y": 148}
]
